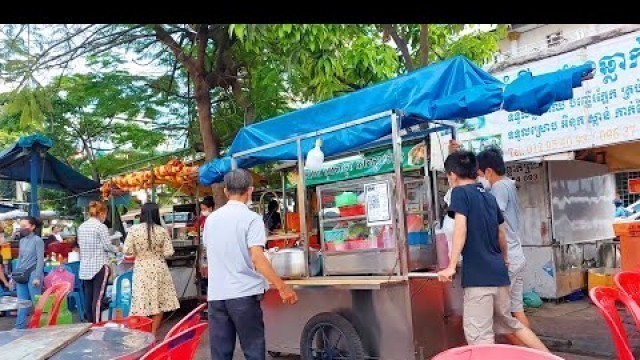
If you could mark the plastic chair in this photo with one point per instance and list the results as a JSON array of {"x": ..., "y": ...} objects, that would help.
[
  {"x": 64, "y": 315},
  {"x": 190, "y": 320},
  {"x": 628, "y": 283},
  {"x": 59, "y": 291},
  {"x": 605, "y": 300},
  {"x": 60, "y": 248},
  {"x": 120, "y": 301},
  {"x": 179, "y": 347},
  {"x": 77, "y": 294},
  {"x": 494, "y": 351}
]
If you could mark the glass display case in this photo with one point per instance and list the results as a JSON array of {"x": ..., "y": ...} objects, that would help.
[
  {"x": 422, "y": 249},
  {"x": 357, "y": 226}
]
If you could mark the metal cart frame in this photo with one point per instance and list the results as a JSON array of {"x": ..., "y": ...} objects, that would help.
[{"x": 400, "y": 316}]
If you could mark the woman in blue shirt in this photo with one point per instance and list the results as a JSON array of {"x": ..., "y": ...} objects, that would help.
[{"x": 31, "y": 258}]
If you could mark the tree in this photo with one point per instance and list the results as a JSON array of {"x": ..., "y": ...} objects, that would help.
[
  {"x": 421, "y": 44},
  {"x": 102, "y": 112},
  {"x": 242, "y": 73}
]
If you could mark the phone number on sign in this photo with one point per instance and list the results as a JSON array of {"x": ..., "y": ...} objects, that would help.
[{"x": 565, "y": 143}]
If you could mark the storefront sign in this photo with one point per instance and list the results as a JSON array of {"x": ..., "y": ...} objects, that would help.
[
  {"x": 524, "y": 172},
  {"x": 605, "y": 110},
  {"x": 371, "y": 163},
  {"x": 377, "y": 203}
]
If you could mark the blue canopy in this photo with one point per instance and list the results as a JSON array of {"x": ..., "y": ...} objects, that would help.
[
  {"x": 453, "y": 89},
  {"x": 6, "y": 208},
  {"x": 28, "y": 160}
]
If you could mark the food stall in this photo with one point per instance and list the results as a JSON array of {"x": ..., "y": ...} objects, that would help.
[
  {"x": 178, "y": 219},
  {"x": 376, "y": 295}
]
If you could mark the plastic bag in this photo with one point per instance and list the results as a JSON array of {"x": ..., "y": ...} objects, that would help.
[
  {"x": 59, "y": 275},
  {"x": 532, "y": 300}
]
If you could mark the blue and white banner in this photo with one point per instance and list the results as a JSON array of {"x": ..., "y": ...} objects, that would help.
[{"x": 606, "y": 110}]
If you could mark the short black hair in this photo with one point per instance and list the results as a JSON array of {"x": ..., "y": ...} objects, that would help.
[
  {"x": 462, "y": 163},
  {"x": 273, "y": 205},
  {"x": 33, "y": 221},
  {"x": 208, "y": 202},
  {"x": 491, "y": 158}
]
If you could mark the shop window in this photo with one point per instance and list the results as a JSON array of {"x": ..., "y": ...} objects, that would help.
[
  {"x": 555, "y": 39},
  {"x": 622, "y": 186}
]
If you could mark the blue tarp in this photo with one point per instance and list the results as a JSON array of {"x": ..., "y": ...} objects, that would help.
[
  {"x": 15, "y": 165},
  {"x": 6, "y": 208},
  {"x": 453, "y": 89}
]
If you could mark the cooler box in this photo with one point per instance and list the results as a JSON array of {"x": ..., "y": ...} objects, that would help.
[{"x": 629, "y": 233}]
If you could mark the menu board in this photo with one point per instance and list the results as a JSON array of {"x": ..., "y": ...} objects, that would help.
[{"x": 377, "y": 203}]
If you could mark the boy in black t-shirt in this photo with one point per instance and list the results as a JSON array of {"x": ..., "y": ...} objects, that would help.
[{"x": 478, "y": 235}]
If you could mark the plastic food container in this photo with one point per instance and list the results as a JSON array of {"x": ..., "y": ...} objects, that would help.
[
  {"x": 337, "y": 235},
  {"x": 346, "y": 199},
  {"x": 336, "y": 246},
  {"x": 359, "y": 244},
  {"x": 352, "y": 210}
]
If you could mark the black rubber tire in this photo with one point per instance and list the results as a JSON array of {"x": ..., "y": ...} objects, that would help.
[{"x": 351, "y": 337}]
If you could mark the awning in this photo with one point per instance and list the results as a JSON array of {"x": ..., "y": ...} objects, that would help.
[
  {"x": 453, "y": 89},
  {"x": 7, "y": 208},
  {"x": 28, "y": 160}
]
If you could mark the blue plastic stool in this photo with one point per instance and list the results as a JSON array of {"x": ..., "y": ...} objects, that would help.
[
  {"x": 120, "y": 301},
  {"x": 78, "y": 293}
]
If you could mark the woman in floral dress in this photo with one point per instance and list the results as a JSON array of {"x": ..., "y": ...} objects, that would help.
[{"x": 153, "y": 292}]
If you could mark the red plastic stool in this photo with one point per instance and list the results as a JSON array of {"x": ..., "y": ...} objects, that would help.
[{"x": 494, "y": 351}]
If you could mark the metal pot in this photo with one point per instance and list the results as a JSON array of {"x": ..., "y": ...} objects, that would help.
[{"x": 290, "y": 262}]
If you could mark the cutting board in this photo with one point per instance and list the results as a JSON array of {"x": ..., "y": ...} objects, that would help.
[{"x": 42, "y": 343}]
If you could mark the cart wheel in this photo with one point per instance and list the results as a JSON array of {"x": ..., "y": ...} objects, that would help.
[{"x": 329, "y": 336}]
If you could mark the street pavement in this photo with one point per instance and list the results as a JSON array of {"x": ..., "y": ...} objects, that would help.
[{"x": 574, "y": 331}]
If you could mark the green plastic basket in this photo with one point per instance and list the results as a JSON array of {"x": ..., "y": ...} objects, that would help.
[
  {"x": 337, "y": 235},
  {"x": 346, "y": 199}
]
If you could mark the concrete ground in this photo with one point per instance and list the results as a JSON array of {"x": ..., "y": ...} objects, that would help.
[
  {"x": 574, "y": 331},
  {"x": 578, "y": 328}
]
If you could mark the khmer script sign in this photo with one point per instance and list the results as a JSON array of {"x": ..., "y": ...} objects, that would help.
[{"x": 605, "y": 110}]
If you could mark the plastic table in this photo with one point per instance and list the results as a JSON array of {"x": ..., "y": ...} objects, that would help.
[
  {"x": 11, "y": 303},
  {"x": 98, "y": 343}
]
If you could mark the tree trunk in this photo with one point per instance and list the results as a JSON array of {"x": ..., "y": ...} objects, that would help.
[
  {"x": 424, "y": 44},
  {"x": 86, "y": 147},
  {"x": 202, "y": 96},
  {"x": 210, "y": 141},
  {"x": 401, "y": 44}
]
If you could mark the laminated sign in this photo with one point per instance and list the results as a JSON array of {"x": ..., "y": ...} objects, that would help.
[{"x": 377, "y": 203}]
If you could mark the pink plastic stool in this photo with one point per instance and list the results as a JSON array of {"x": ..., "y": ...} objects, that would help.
[{"x": 494, "y": 351}]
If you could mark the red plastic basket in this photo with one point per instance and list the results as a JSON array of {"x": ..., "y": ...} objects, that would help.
[
  {"x": 359, "y": 244},
  {"x": 353, "y": 210},
  {"x": 133, "y": 322},
  {"x": 334, "y": 246}
]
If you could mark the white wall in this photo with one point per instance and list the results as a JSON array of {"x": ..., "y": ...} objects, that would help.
[{"x": 535, "y": 39}]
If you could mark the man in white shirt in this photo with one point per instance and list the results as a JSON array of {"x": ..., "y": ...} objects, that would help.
[{"x": 235, "y": 237}]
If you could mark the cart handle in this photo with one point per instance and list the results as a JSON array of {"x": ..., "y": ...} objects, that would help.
[{"x": 428, "y": 275}]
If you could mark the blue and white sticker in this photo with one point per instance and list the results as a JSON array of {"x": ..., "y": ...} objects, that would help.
[{"x": 548, "y": 268}]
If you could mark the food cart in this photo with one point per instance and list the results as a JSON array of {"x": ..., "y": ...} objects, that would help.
[
  {"x": 177, "y": 218},
  {"x": 376, "y": 296}
]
